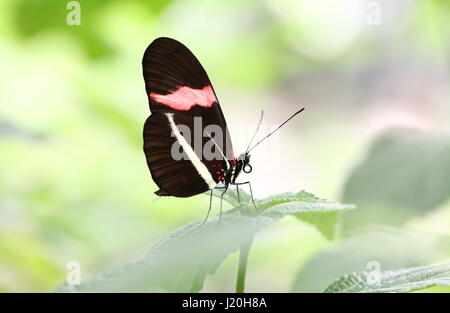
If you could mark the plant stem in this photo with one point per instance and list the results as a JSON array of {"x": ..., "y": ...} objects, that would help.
[{"x": 242, "y": 269}]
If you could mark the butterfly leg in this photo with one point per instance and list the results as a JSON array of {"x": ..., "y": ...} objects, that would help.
[
  {"x": 221, "y": 200},
  {"x": 237, "y": 191},
  {"x": 251, "y": 192},
  {"x": 209, "y": 209},
  {"x": 239, "y": 197}
]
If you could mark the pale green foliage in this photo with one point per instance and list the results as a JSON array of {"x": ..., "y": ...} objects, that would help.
[
  {"x": 306, "y": 207},
  {"x": 405, "y": 174},
  {"x": 180, "y": 261},
  {"x": 395, "y": 281},
  {"x": 390, "y": 248}
]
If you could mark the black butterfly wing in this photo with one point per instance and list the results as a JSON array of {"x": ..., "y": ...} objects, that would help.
[
  {"x": 177, "y": 178},
  {"x": 177, "y": 85}
]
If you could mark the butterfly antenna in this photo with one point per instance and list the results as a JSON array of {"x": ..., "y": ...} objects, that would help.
[
  {"x": 256, "y": 131},
  {"x": 292, "y": 116}
]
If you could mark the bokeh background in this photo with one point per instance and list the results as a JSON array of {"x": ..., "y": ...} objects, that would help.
[{"x": 373, "y": 75}]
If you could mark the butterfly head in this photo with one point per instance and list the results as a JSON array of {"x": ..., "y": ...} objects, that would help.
[{"x": 244, "y": 160}]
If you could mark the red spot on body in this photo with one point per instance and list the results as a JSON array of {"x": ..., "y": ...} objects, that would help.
[
  {"x": 219, "y": 178},
  {"x": 218, "y": 172},
  {"x": 184, "y": 98}
]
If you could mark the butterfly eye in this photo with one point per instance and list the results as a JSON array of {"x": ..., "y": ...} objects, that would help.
[{"x": 247, "y": 168}]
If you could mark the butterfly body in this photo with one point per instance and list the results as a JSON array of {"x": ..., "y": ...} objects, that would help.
[{"x": 186, "y": 140}]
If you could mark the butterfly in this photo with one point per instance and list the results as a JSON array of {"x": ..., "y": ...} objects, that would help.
[{"x": 186, "y": 140}]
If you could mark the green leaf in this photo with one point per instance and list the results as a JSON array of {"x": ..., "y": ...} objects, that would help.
[
  {"x": 180, "y": 261},
  {"x": 320, "y": 213},
  {"x": 390, "y": 248},
  {"x": 302, "y": 196},
  {"x": 404, "y": 174},
  {"x": 404, "y": 280},
  {"x": 325, "y": 222}
]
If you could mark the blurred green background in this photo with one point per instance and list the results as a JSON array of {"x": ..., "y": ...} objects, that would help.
[{"x": 74, "y": 183}]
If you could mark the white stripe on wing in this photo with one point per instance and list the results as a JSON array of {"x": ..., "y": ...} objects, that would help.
[{"x": 198, "y": 164}]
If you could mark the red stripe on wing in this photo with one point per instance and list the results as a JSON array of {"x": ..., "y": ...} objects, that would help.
[{"x": 184, "y": 98}]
